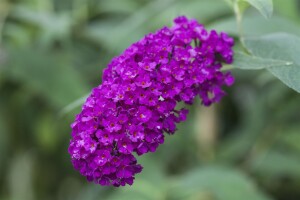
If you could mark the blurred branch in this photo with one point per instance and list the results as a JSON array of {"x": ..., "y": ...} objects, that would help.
[
  {"x": 20, "y": 181},
  {"x": 4, "y": 11},
  {"x": 207, "y": 131},
  {"x": 239, "y": 7},
  {"x": 238, "y": 15}
]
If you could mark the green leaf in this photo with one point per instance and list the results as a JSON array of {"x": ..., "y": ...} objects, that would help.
[
  {"x": 280, "y": 46},
  {"x": 43, "y": 132},
  {"x": 117, "y": 34},
  {"x": 141, "y": 189},
  {"x": 71, "y": 106},
  {"x": 287, "y": 8},
  {"x": 48, "y": 74},
  {"x": 216, "y": 183},
  {"x": 229, "y": 2},
  {"x": 150, "y": 184},
  {"x": 256, "y": 25},
  {"x": 276, "y": 164},
  {"x": 52, "y": 26},
  {"x": 291, "y": 138},
  {"x": 116, "y": 6},
  {"x": 265, "y": 7},
  {"x": 244, "y": 61}
]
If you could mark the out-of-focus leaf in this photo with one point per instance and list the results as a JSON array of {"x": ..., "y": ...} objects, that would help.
[
  {"x": 192, "y": 9},
  {"x": 142, "y": 189},
  {"x": 91, "y": 192},
  {"x": 75, "y": 104},
  {"x": 244, "y": 61},
  {"x": 291, "y": 138},
  {"x": 52, "y": 26},
  {"x": 152, "y": 171},
  {"x": 118, "y": 35},
  {"x": 277, "y": 164},
  {"x": 229, "y": 2},
  {"x": 17, "y": 35},
  {"x": 287, "y": 8},
  {"x": 150, "y": 184},
  {"x": 217, "y": 183},
  {"x": 134, "y": 195},
  {"x": 252, "y": 121},
  {"x": 45, "y": 133},
  {"x": 265, "y": 7},
  {"x": 116, "y": 6},
  {"x": 256, "y": 25},
  {"x": 280, "y": 46},
  {"x": 49, "y": 74}
]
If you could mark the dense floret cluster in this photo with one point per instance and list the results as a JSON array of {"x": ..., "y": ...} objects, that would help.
[{"x": 136, "y": 103}]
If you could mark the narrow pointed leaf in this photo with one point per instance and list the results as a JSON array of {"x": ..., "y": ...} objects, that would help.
[
  {"x": 265, "y": 7},
  {"x": 280, "y": 46},
  {"x": 244, "y": 61}
]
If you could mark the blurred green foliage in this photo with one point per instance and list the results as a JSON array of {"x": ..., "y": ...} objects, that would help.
[{"x": 52, "y": 52}]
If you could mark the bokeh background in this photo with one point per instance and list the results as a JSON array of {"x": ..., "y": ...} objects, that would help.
[{"x": 52, "y": 53}]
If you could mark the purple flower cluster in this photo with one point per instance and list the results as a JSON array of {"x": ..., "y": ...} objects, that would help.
[{"x": 136, "y": 102}]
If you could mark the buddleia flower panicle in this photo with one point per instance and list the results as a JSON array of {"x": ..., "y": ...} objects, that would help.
[{"x": 135, "y": 105}]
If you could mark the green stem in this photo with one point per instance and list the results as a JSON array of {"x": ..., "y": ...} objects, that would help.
[
  {"x": 239, "y": 17},
  {"x": 4, "y": 8}
]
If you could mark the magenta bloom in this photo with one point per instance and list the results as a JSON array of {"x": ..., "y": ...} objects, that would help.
[{"x": 136, "y": 103}]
